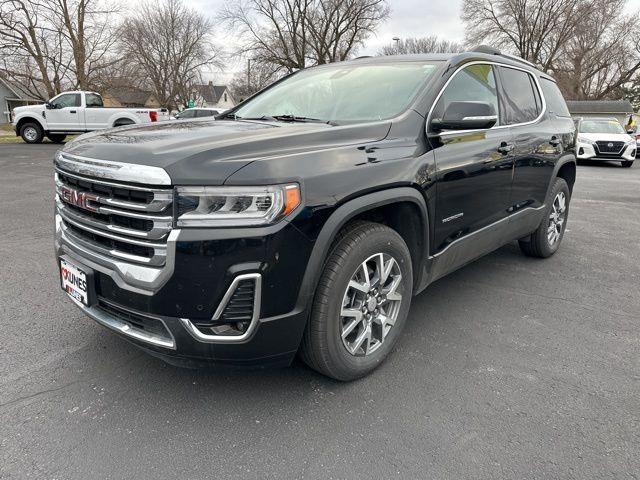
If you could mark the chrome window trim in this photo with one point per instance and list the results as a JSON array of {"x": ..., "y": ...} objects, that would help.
[
  {"x": 206, "y": 338},
  {"x": 103, "y": 169},
  {"x": 497, "y": 127}
]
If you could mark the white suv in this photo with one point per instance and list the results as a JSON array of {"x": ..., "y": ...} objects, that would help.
[{"x": 605, "y": 139}]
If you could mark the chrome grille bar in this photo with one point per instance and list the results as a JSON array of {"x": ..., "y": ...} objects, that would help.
[{"x": 123, "y": 222}]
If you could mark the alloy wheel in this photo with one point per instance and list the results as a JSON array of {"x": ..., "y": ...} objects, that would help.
[
  {"x": 557, "y": 218},
  {"x": 371, "y": 304}
]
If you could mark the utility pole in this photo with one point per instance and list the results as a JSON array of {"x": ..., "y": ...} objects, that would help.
[
  {"x": 397, "y": 40},
  {"x": 248, "y": 73}
]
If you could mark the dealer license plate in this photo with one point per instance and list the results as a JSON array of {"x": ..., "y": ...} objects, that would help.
[{"x": 74, "y": 281}]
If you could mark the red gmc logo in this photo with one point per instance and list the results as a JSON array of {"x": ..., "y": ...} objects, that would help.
[{"x": 79, "y": 199}]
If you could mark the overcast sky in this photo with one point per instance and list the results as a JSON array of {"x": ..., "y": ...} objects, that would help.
[{"x": 409, "y": 18}]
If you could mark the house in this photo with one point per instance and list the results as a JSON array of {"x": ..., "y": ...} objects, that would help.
[
  {"x": 214, "y": 96},
  {"x": 620, "y": 109},
  {"x": 127, "y": 97},
  {"x": 12, "y": 96}
]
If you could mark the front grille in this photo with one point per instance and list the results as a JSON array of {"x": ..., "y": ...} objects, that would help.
[
  {"x": 115, "y": 220},
  {"x": 240, "y": 306},
  {"x": 609, "y": 148}
]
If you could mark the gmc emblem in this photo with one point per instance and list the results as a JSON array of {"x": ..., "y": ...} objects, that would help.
[{"x": 79, "y": 199}]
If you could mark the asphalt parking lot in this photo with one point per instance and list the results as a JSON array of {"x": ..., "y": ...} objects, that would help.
[{"x": 509, "y": 368}]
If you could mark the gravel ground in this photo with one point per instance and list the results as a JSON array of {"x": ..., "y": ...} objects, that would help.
[{"x": 509, "y": 368}]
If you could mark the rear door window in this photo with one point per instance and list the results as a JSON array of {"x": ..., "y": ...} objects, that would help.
[
  {"x": 520, "y": 99},
  {"x": 554, "y": 99}
]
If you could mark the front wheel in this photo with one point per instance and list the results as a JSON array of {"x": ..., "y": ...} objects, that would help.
[
  {"x": 31, "y": 133},
  {"x": 545, "y": 241},
  {"x": 361, "y": 302},
  {"x": 627, "y": 163}
]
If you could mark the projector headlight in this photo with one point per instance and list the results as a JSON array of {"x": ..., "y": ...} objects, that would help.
[{"x": 235, "y": 206}]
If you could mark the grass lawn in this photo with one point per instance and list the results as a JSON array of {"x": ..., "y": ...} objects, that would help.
[{"x": 7, "y": 135}]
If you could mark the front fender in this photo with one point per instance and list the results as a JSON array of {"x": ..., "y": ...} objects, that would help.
[
  {"x": 31, "y": 116},
  {"x": 339, "y": 219}
]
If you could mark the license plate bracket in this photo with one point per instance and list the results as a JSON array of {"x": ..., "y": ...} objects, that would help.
[{"x": 77, "y": 281}]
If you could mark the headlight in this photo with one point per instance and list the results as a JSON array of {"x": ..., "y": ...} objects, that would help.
[
  {"x": 235, "y": 206},
  {"x": 582, "y": 139}
]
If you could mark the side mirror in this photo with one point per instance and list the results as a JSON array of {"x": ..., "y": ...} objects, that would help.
[
  {"x": 49, "y": 106},
  {"x": 630, "y": 132},
  {"x": 466, "y": 116}
]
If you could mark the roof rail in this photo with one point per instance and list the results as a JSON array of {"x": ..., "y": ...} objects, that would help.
[{"x": 494, "y": 51}]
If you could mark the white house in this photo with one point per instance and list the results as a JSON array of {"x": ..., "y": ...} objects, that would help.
[{"x": 214, "y": 96}]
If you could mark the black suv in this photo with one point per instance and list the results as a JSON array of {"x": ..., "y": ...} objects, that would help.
[{"x": 305, "y": 219}]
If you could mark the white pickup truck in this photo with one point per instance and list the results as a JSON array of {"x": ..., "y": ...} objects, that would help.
[{"x": 76, "y": 112}]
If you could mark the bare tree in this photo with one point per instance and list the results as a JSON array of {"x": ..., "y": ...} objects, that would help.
[
  {"x": 171, "y": 44},
  {"x": 48, "y": 45},
  {"x": 31, "y": 47},
  {"x": 589, "y": 45},
  {"x": 429, "y": 44},
  {"x": 536, "y": 30},
  {"x": 293, "y": 34},
  {"x": 253, "y": 78}
]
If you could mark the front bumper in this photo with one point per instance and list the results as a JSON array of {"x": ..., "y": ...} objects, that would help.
[
  {"x": 586, "y": 151},
  {"x": 169, "y": 311}
]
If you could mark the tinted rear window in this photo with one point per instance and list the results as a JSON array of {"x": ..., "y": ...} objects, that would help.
[
  {"x": 521, "y": 102},
  {"x": 555, "y": 101}
]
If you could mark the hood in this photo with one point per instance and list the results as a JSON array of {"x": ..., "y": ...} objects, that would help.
[
  {"x": 209, "y": 151},
  {"x": 30, "y": 108},
  {"x": 606, "y": 137}
]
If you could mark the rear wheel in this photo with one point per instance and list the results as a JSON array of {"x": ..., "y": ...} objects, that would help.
[
  {"x": 31, "y": 132},
  {"x": 627, "y": 163},
  {"x": 545, "y": 241},
  {"x": 56, "y": 138},
  {"x": 361, "y": 302}
]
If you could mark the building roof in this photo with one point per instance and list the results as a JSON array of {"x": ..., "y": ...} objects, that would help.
[
  {"x": 600, "y": 106},
  {"x": 130, "y": 95},
  {"x": 19, "y": 92},
  {"x": 210, "y": 93}
]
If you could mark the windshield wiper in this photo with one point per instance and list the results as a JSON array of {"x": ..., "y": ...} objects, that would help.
[{"x": 295, "y": 118}]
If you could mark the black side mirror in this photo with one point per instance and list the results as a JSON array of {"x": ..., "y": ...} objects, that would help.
[
  {"x": 49, "y": 106},
  {"x": 466, "y": 116},
  {"x": 630, "y": 132}
]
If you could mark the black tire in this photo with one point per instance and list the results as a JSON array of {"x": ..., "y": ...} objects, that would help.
[
  {"x": 121, "y": 122},
  {"x": 538, "y": 244},
  {"x": 31, "y": 132},
  {"x": 57, "y": 137},
  {"x": 322, "y": 346},
  {"x": 627, "y": 163}
]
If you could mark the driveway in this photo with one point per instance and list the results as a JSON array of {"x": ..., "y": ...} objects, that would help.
[{"x": 510, "y": 368}]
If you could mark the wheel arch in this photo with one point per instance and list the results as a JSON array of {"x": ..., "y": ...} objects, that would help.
[
  {"x": 394, "y": 205},
  {"x": 122, "y": 117},
  {"x": 28, "y": 119}
]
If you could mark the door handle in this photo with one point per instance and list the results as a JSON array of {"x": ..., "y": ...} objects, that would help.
[
  {"x": 505, "y": 148},
  {"x": 72, "y": 111},
  {"x": 554, "y": 142}
]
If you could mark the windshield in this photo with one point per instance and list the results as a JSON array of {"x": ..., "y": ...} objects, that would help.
[
  {"x": 342, "y": 93},
  {"x": 601, "y": 126}
]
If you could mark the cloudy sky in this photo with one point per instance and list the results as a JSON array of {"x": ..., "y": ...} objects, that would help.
[{"x": 409, "y": 18}]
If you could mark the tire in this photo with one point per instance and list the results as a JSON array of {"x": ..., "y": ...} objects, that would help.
[
  {"x": 543, "y": 242},
  {"x": 323, "y": 347},
  {"x": 31, "y": 132},
  {"x": 56, "y": 137},
  {"x": 121, "y": 122},
  {"x": 627, "y": 163}
]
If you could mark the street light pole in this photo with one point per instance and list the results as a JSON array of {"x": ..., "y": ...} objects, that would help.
[{"x": 397, "y": 40}]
